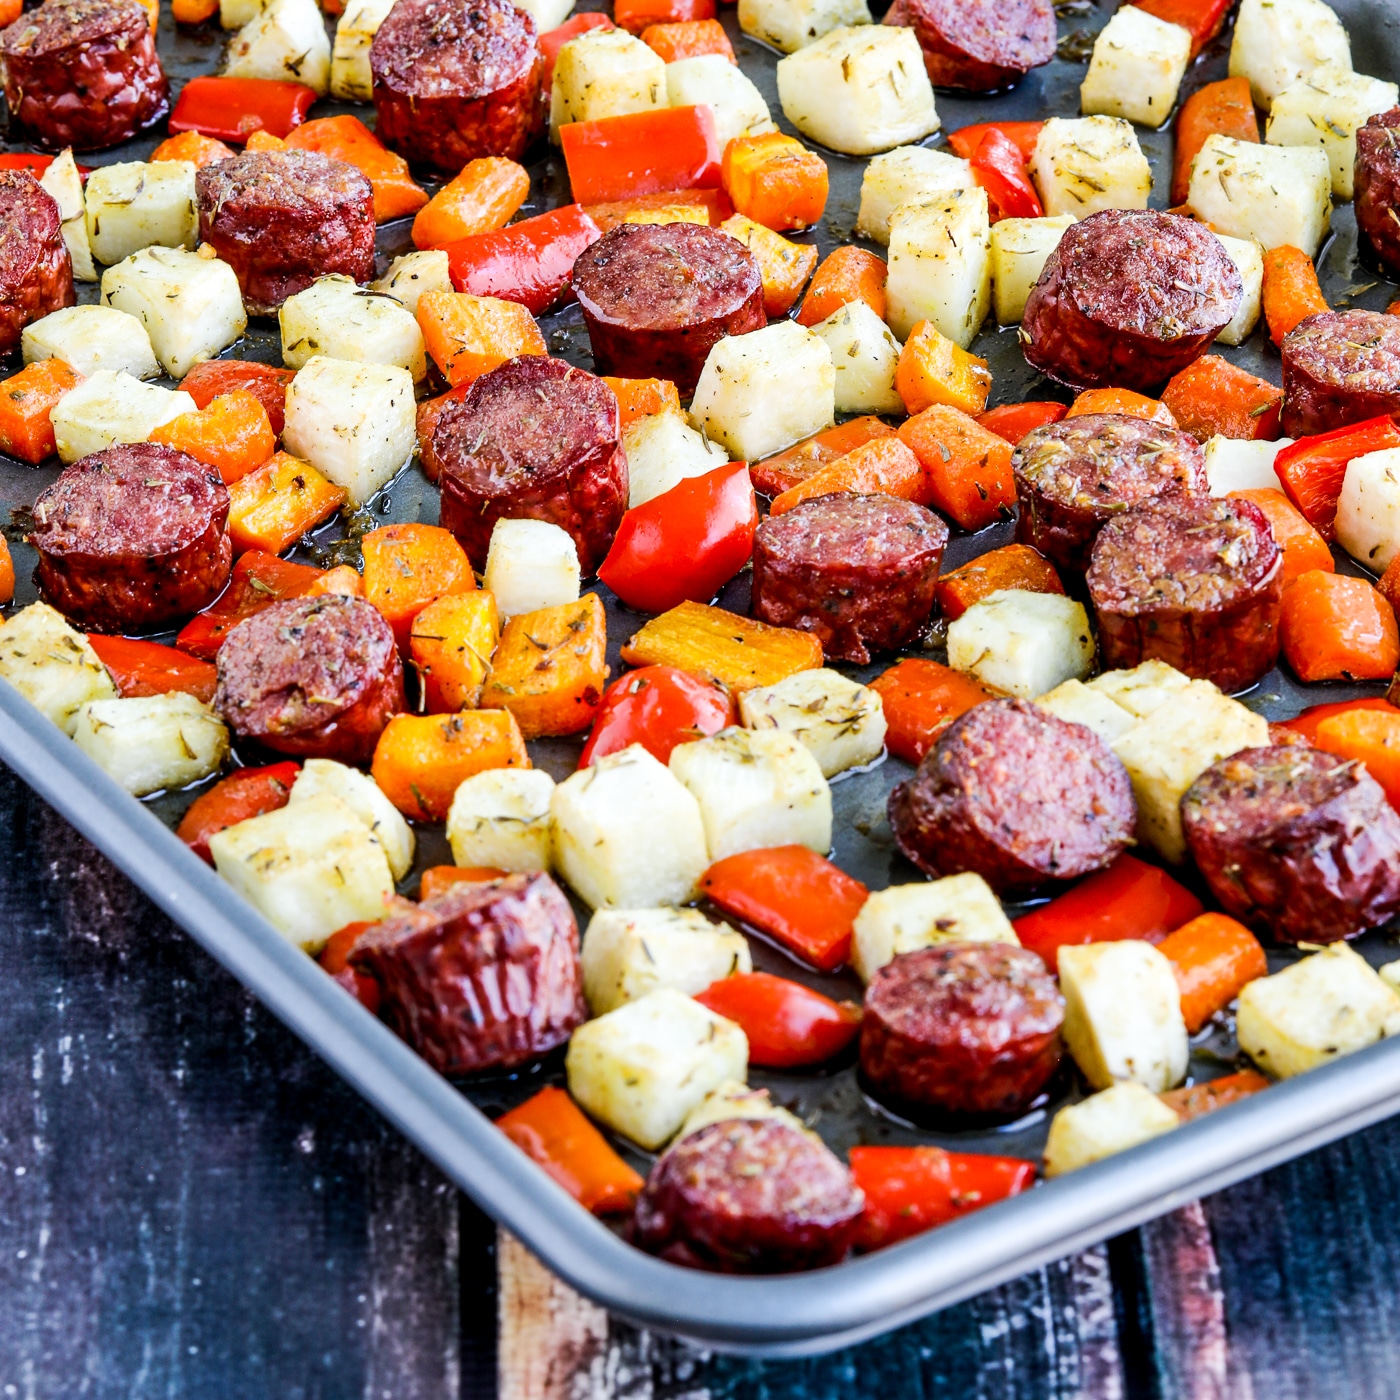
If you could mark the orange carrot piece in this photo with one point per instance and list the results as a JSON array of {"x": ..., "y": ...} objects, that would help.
[
  {"x": 1371, "y": 736},
  {"x": 232, "y": 435},
  {"x": 451, "y": 644},
  {"x": 342, "y": 579},
  {"x": 1291, "y": 290},
  {"x": 1213, "y": 957},
  {"x": 1224, "y": 108},
  {"x": 191, "y": 145},
  {"x": 26, "y": 400},
  {"x": 262, "y": 140},
  {"x": 968, "y": 468},
  {"x": 1011, "y": 566},
  {"x": 421, "y": 760},
  {"x": 1013, "y": 421},
  {"x": 884, "y": 466},
  {"x": 468, "y": 335},
  {"x": 190, "y": 12},
  {"x": 707, "y": 206},
  {"x": 784, "y": 265},
  {"x": 1336, "y": 628},
  {"x": 350, "y": 140},
  {"x": 10, "y": 11},
  {"x": 691, "y": 38},
  {"x": 277, "y": 503},
  {"x": 640, "y": 398},
  {"x": 1303, "y": 548},
  {"x": 775, "y": 180},
  {"x": 1123, "y": 402},
  {"x": 935, "y": 370},
  {"x": 409, "y": 566},
  {"x": 847, "y": 274},
  {"x": 780, "y": 473},
  {"x": 921, "y": 699},
  {"x": 438, "y": 879},
  {"x": 1213, "y": 398},
  {"x": 148, "y": 668},
  {"x": 7, "y": 572},
  {"x": 1196, "y": 1100},
  {"x": 486, "y": 195}
]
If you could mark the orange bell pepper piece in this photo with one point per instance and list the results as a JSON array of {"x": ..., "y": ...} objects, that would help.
[
  {"x": 968, "y": 468},
  {"x": 1291, "y": 290},
  {"x": 1123, "y": 402},
  {"x": 637, "y": 15},
  {"x": 692, "y": 206},
  {"x": 1373, "y": 737},
  {"x": 691, "y": 38},
  {"x": 784, "y": 265},
  {"x": 935, "y": 370},
  {"x": 1196, "y": 1100},
  {"x": 350, "y": 140},
  {"x": 1303, "y": 548},
  {"x": 1213, "y": 398},
  {"x": 468, "y": 335},
  {"x": 1225, "y": 109},
  {"x": 277, "y": 503},
  {"x": 26, "y": 400},
  {"x": 640, "y": 398},
  {"x": 1213, "y": 957},
  {"x": 1011, "y": 566},
  {"x": 847, "y": 274},
  {"x": 409, "y": 566},
  {"x": 190, "y": 12},
  {"x": 921, "y": 699},
  {"x": 1012, "y": 421},
  {"x": 1336, "y": 628},
  {"x": 775, "y": 180},
  {"x": 193, "y": 146},
  {"x": 780, "y": 473},
  {"x": 148, "y": 668},
  {"x": 7, "y": 572},
  {"x": 438, "y": 879},
  {"x": 486, "y": 195},
  {"x": 883, "y": 466},
  {"x": 421, "y": 760},
  {"x": 451, "y": 644},
  {"x": 232, "y": 434}
]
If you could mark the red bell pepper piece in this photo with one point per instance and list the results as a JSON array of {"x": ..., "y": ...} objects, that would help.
[
  {"x": 792, "y": 895},
  {"x": 1000, "y": 168},
  {"x": 1306, "y": 723},
  {"x": 258, "y": 580},
  {"x": 232, "y": 109},
  {"x": 528, "y": 262},
  {"x": 1202, "y": 19},
  {"x": 637, "y": 15},
  {"x": 551, "y": 42},
  {"x": 34, "y": 164},
  {"x": 911, "y": 1189},
  {"x": 250, "y": 792},
  {"x": 335, "y": 958},
  {"x": 1313, "y": 468},
  {"x": 1130, "y": 899},
  {"x": 788, "y": 1025},
  {"x": 1013, "y": 421},
  {"x": 1022, "y": 135},
  {"x": 686, "y": 543},
  {"x": 148, "y": 668},
  {"x": 674, "y": 148},
  {"x": 266, "y": 383},
  {"x": 657, "y": 707}
]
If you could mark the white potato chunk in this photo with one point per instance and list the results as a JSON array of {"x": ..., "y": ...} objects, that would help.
[
  {"x": 901, "y": 176},
  {"x": 1137, "y": 68},
  {"x": 662, "y": 450},
  {"x": 1329, "y": 1004},
  {"x": 838, "y": 720},
  {"x": 91, "y": 338},
  {"x": 941, "y": 265},
  {"x": 287, "y": 43},
  {"x": 1020, "y": 250},
  {"x": 500, "y": 820},
  {"x": 761, "y": 392},
  {"x": 320, "y": 777},
  {"x": 336, "y": 317},
  {"x": 548, "y": 14},
  {"x": 712, "y": 81},
  {"x": 905, "y": 918},
  {"x": 733, "y": 1099},
  {"x": 1238, "y": 464},
  {"x": 64, "y": 183},
  {"x": 1389, "y": 973},
  {"x": 412, "y": 274},
  {"x": 234, "y": 14},
  {"x": 1276, "y": 42},
  {"x": 1271, "y": 194},
  {"x": 1248, "y": 258},
  {"x": 642, "y": 1068},
  {"x": 1368, "y": 513},
  {"x": 864, "y": 355},
  {"x": 152, "y": 742},
  {"x": 1022, "y": 643},
  {"x": 190, "y": 306},
  {"x": 629, "y": 953},
  {"x": 354, "y": 423},
  {"x": 351, "y": 80},
  {"x": 1076, "y": 703},
  {"x": 1144, "y": 689},
  {"x": 756, "y": 788},
  {"x": 133, "y": 205},
  {"x": 531, "y": 564},
  {"x": 859, "y": 90},
  {"x": 1084, "y": 164},
  {"x": 1324, "y": 108},
  {"x": 52, "y": 665},
  {"x": 628, "y": 834},
  {"x": 1105, "y": 1123},
  {"x": 789, "y": 25},
  {"x": 604, "y": 73},
  {"x": 108, "y": 408},
  {"x": 308, "y": 868}
]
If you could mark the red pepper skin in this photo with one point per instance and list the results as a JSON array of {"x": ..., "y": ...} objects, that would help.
[
  {"x": 335, "y": 958},
  {"x": 148, "y": 668},
  {"x": 657, "y": 707},
  {"x": 250, "y": 792},
  {"x": 616, "y": 158},
  {"x": 686, "y": 543},
  {"x": 528, "y": 262},
  {"x": 1313, "y": 469},
  {"x": 1013, "y": 421},
  {"x": 232, "y": 109},
  {"x": 912, "y": 1189},
  {"x": 1000, "y": 168},
  {"x": 1202, "y": 19},
  {"x": 34, "y": 164},
  {"x": 1022, "y": 135},
  {"x": 788, "y": 1025},
  {"x": 259, "y": 579},
  {"x": 555, "y": 39}
]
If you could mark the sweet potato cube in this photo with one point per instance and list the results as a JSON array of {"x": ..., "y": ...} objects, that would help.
[
  {"x": 847, "y": 274},
  {"x": 775, "y": 180},
  {"x": 451, "y": 644},
  {"x": 780, "y": 473},
  {"x": 233, "y": 434},
  {"x": 1013, "y": 566},
  {"x": 784, "y": 265},
  {"x": 967, "y": 468},
  {"x": 468, "y": 335},
  {"x": 275, "y": 505},
  {"x": 26, "y": 400},
  {"x": 692, "y": 38},
  {"x": 935, "y": 370},
  {"x": 421, "y": 760},
  {"x": 409, "y": 566}
]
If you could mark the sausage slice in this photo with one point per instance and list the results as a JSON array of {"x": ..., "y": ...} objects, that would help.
[
  {"x": 36, "y": 272},
  {"x": 979, "y": 45},
  {"x": 1377, "y": 195},
  {"x": 1339, "y": 368}
]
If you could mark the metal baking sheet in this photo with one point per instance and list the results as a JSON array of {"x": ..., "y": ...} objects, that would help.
[{"x": 796, "y": 1314}]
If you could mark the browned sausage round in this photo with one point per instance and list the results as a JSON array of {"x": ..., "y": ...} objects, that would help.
[
  {"x": 1377, "y": 197},
  {"x": 979, "y": 45},
  {"x": 315, "y": 677},
  {"x": 1339, "y": 368},
  {"x": 36, "y": 273},
  {"x": 483, "y": 976},
  {"x": 132, "y": 537},
  {"x": 966, "y": 1028},
  {"x": 858, "y": 572},
  {"x": 1129, "y": 298},
  {"x": 1074, "y": 475},
  {"x": 1017, "y": 796},
  {"x": 1194, "y": 582},
  {"x": 1298, "y": 843},
  {"x": 83, "y": 73},
  {"x": 456, "y": 79},
  {"x": 749, "y": 1195},
  {"x": 533, "y": 439},
  {"x": 281, "y": 219},
  {"x": 656, "y": 298}
]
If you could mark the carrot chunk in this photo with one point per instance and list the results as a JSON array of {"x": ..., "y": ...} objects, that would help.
[
  {"x": 775, "y": 180},
  {"x": 689, "y": 38},
  {"x": 350, "y": 140},
  {"x": 1303, "y": 548},
  {"x": 1123, "y": 402},
  {"x": 1336, "y": 628},
  {"x": 1225, "y": 109},
  {"x": 421, "y": 760},
  {"x": 883, "y": 466},
  {"x": 1213, "y": 398},
  {"x": 1291, "y": 290},
  {"x": 1196, "y": 1100},
  {"x": 438, "y": 879},
  {"x": 1370, "y": 736},
  {"x": 967, "y": 468},
  {"x": 847, "y": 274},
  {"x": 232, "y": 434},
  {"x": 451, "y": 645},
  {"x": 468, "y": 335},
  {"x": 486, "y": 195},
  {"x": 921, "y": 699},
  {"x": 1012, "y": 566},
  {"x": 26, "y": 400},
  {"x": 193, "y": 146},
  {"x": 780, "y": 473},
  {"x": 1213, "y": 957},
  {"x": 409, "y": 566},
  {"x": 640, "y": 398}
]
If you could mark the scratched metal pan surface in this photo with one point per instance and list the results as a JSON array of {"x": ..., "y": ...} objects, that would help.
[{"x": 450, "y": 1122}]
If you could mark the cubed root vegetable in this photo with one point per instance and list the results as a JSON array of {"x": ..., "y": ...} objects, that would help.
[
  {"x": 775, "y": 180},
  {"x": 1213, "y": 956},
  {"x": 935, "y": 370},
  {"x": 1213, "y": 398},
  {"x": 693, "y": 38},
  {"x": 1122, "y": 402},
  {"x": 774, "y": 475},
  {"x": 451, "y": 644},
  {"x": 784, "y": 265},
  {"x": 883, "y": 466},
  {"x": 1291, "y": 290},
  {"x": 1012, "y": 421},
  {"x": 847, "y": 274},
  {"x": 640, "y": 398},
  {"x": 26, "y": 400},
  {"x": 409, "y": 566},
  {"x": 1012, "y": 566},
  {"x": 348, "y": 139},
  {"x": 1371, "y": 737},
  {"x": 1336, "y": 628},
  {"x": 232, "y": 434},
  {"x": 921, "y": 699},
  {"x": 275, "y": 505},
  {"x": 420, "y": 760},
  {"x": 1303, "y": 548},
  {"x": 486, "y": 195},
  {"x": 468, "y": 335},
  {"x": 967, "y": 469}
]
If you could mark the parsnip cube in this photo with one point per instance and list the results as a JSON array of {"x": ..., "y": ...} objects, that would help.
[
  {"x": 337, "y": 318},
  {"x": 761, "y": 392},
  {"x": 287, "y": 43},
  {"x": 500, "y": 820},
  {"x": 308, "y": 868},
  {"x": 839, "y": 721},
  {"x": 864, "y": 355},
  {"x": 1123, "y": 1014},
  {"x": 1237, "y": 464},
  {"x": 941, "y": 265},
  {"x": 64, "y": 183},
  {"x": 627, "y": 833},
  {"x": 604, "y": 73},
  {"x": 52, "y": 665},
  {"x": 133, "y": 205},
  {"x": 91, "y": 338},
  {"x": 733, "y": 1099},
  {"x": 412, "y": 274},
  {"x": 629, "y": 953},
  {"x": 1084, "y": 164},
  {"x": 1324, "y": 108},
  {"x": 712, "y": 81},
  {"x": 642, "y": 1068},
  {"x": 548, "y": 14},
  {"x": 190, "y": 306},
  {"x": 1248, "y": 258},
  {"x": 1022, "y": 643},
  {"x": 531, "y": 564},
  {"x": 905, "y": 918},
  {"x": 1271, "y": 194},
  {"x": 1137, "y": 68},
  {"x": 1076, "y": 703},
  {"x": 756, "y": 788},
  {"x": 1276, "y": 42},
  {"x": 902, "y": 176},
  {"x": 152, "y": 742},
  {"x": 859, "y": 90},
  {"x": 1020, "y": 250},
  {"x": 109, "y": 408},
  {"x": 1329, "y": 1004},
  {"x": 351, "y": 80},
  {"x": 1105, "y": 1123},
  {"x": 1143, "y": 689},
  {"x": 662, "y": 451},
  {"x": 234, "y": 14},
  {"x": 789, "y": 25},
  {"x": 354, "y": 423},
  {"x": 1368, "y": 513},
  {"x": 362, "y": 795}
]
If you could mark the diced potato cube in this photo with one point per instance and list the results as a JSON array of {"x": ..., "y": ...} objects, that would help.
[
  {"x": 1084, "y": 164},
  {"x": 1248, "y": 258},
  {"x": 1020, "y": 250},
  {"x": 64, "y": 183},
  {"x": 1276, "y": 42},
  {"x": 712, "y": 81},
  {"x": 91, "y": 338},
  {"x": 52, "y": 665},
  {"x": 628, "y": 834},
  {"x": 108, "y": 408},
  {"x": 363, "y": 796},
  {"x": 412, "y": 274},
  {"x": 1144, "y": 689},
  {"x": 642, "y": 1068},
  {"x": 662, "y": 450},
  {"x": 864, "y": 355},
  {"x": 1022, "y": 643},
  {"x": 902, "y": 176},
  {"x": 604, "y": 73},
  {"x": 531, "y": 564},
  {"x": 1271, "y": 194},
  {"x": 840, "y": 721},
  {"x": 287, "y": 43},
  {"x": 354, "y": 423},
  {"x": 500, "y": 820},
  {"x": 1389, "y": 973},
  {"x": 1368, "y": 513},
  {"x": 1076, "y": 703},
  {"x": 789, "y": 25},
  {"x": 1238, "y": 464},
  {"x": 1329, "y": 1004},
  {"x": 859, "y": 90},
  {"x": 941, "y": 265},
  {"x": 548, "y": 14},
  {"x": 629, "y": 953},
  {"x": 1324, "y": 108},
  {"x": 190, "y": 306},
  {"x": 351, "y": 80},
  {"x": 132, "y": 205},
  {"x": 905, "y": 918},
  {"x": 761, "y": 392},
  {"x": 152, "y": 742},
  {"x": 336, "y": 317},
  {"x": 756, "y": 788},
  {"x": 308, "y": 868},
  {"x": 1137, "y": 67},
  {"x": 1105, "y": 1123},
  {"x": 733, "y": 1099}
]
